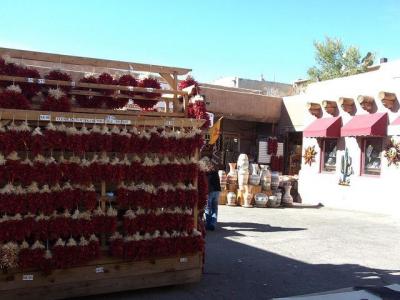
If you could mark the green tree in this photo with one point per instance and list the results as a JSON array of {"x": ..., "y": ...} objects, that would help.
[{"x": 334, "y": 60}]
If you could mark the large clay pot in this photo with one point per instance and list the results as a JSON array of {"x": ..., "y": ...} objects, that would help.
[
  {"x": 273, "y": 201},
  {"x": 243, "y": 178},
  {"x": 274, "y": 180},
  {"x": 255, "y": 176},
  {"x": 243, "y": 170},
  {"x": 265, "y": 178},
  {"x": 247, "y": 201},
  {"x": 232, "y": 175},
  {"x": 243, "y": 162},
  {"x": 287, "y": 199},
  {"x": 222, "y": 179},
  {"x": 231, "y": 199}
]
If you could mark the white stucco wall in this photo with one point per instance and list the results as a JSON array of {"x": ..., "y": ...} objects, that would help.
[{"x": 377, "y": 194}]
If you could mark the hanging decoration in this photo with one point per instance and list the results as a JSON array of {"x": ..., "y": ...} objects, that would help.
[
  {"x": 12, "y": 97},
  {"x": 309, "y": 155},
  {"x": 56, "y": 100},
  {"x": 88, "y": 101},
  {"x": 59, "y": 75},
  {"x": 190, "y": 81},
  {"x": 148, "y": 83},
  {"x": 392, "y": 152}
]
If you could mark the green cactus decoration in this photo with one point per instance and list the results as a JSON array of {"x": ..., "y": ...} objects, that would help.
[{"x": 345, "y": 168}]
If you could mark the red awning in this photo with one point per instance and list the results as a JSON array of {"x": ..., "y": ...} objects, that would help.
[
  {"x": 366, "y": 125},
  {"x": 324, "y": 127},
  {"x": 396, "y": 122},
  {"x": 394, "y": 127}
]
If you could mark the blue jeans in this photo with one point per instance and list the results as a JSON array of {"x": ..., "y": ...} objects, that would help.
[{"x": 212, "y": 209}]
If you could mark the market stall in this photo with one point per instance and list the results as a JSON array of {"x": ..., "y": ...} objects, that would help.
[{"x": 95, "y": 198}]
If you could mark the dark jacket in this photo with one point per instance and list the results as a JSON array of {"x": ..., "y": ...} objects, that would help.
[{"x": 213, "y": 182}]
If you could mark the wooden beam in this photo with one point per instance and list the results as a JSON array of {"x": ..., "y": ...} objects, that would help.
[
  {"x": 314, "y": 109},
  {"x": 139, "y": 118},
  {"x": 95, "y": 62},
  {"x": 89, "y": 85},
  {"x": 366, "y": 102},
  {"x": 329, "y": 106},
  {"x": 387, "y": 99},
  {"x": 347, "y": 104},
  {"x": 169, "y": 79}
]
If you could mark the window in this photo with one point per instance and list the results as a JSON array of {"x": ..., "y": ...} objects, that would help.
[
  {"x": 371, "y": 160},
  {"x": 329, "y": 155}
]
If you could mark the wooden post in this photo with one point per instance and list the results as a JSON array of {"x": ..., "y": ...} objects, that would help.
[
  {"x": 196, "y": 209},
  {"x": 185, "y": 104},
  {"x": 103, "y": 208},
  {"x": 314, "y": 109}
]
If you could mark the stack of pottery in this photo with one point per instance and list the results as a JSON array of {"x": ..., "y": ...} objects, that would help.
[
  {"x": 222, "y": 179},
  {"x": 243, "y": 170},
  {"x": 255, "y": 176},
  {"x": 265, "y": 178},
  {"x": 231, "y": 199}
]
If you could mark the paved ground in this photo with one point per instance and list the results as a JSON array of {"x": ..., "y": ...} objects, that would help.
[{"x": 264, "y": 253}]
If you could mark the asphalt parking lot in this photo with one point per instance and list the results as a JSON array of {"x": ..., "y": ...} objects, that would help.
[{"x": 261, "y": 253}]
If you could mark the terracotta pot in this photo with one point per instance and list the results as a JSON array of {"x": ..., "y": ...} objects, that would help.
[
  {"x": 231, "y": 199},
  {"x": 222, "y": 179},
  {"x": 261, "y": 200},
  {"x": 255, "y": 176},
  {"x": 274, "y": 180},
  {"x": 232, "y": 175},
  {"x": 243, "y": 178},
  {"x": 265, "y": 178},
  {"x": 287, "y": 199}
]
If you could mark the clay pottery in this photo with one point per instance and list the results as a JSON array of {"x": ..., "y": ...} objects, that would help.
[
  {"x": 255, "y": 176},
  {"x": 232, "y": 175},
  {"x": 222, "y": 179},
  {"x": 231, "y": 199}
]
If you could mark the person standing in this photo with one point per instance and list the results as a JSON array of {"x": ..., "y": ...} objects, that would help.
[{"x": 214, "y": 189}]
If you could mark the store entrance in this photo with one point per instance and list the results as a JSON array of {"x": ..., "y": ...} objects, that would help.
[{"x": 230, "y": 147}]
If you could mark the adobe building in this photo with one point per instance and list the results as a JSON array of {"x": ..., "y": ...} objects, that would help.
[{"x": 359, "y": 115}]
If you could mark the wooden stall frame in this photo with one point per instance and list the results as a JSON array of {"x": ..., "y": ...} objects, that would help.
[
  {"x": 169, "y": 74},
  {"x": 107, "y": 274}
]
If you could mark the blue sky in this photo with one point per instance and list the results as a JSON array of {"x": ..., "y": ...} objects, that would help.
[{"x": 214, "y": 38}]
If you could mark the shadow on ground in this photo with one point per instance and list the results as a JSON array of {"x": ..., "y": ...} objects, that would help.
[{"x": 235, "y": 270}]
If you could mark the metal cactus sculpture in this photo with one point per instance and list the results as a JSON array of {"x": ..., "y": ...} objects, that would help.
[{"x": 346, "y": 169}]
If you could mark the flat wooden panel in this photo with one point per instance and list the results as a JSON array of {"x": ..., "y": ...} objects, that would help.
[
  {"x": 139, "y": 118},
  {"x": 104, "y": 286},
  {"x": 96, "y": 62},
  {"x": 123, "y": 268}
]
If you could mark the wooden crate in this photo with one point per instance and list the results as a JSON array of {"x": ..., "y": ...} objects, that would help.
[{"x": 101, "y": 277}]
